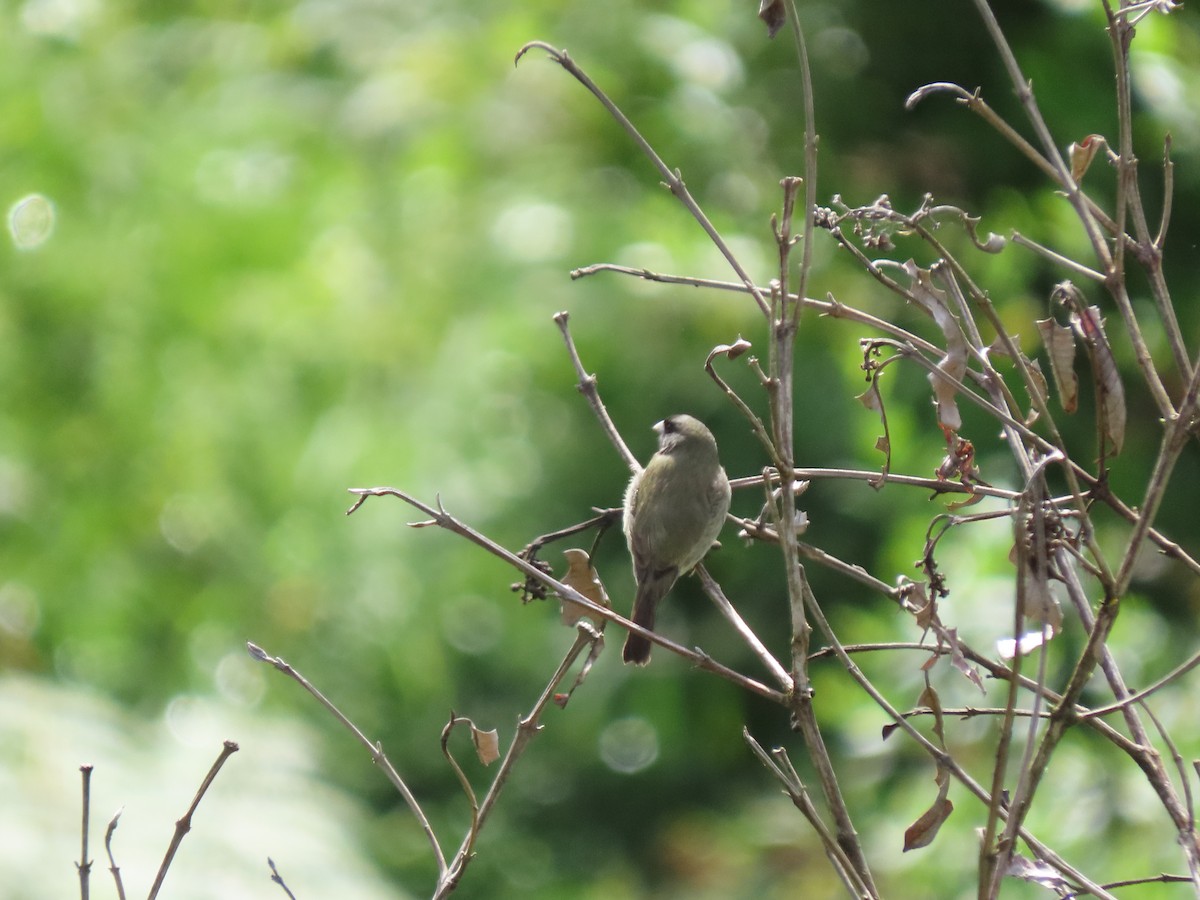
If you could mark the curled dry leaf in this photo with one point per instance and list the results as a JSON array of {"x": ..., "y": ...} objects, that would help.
[
  {"x": 1090, "y": 326},
  {"x": 774, "y": 13},
  {"x": 1081, "y": 154},
  {"x": 954, "y": 363},
  {"x": 1039, "y": 388},
  {"x": 732, "y": 351},
  {"x": 922, "y": 832},
  {"x": 873, "y": 400},
  {"x": 929, "y": 698},
  {"x": 582, "y": 577},
  {"x": 1059, "y": 341},
  {"x": 1041, "y": 605},
  {"x": 487, "y": 744},
  {"x": 958, "y": 660}
]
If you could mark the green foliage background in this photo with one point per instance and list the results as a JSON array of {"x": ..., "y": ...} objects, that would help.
[{"x": 302, "y": 247}]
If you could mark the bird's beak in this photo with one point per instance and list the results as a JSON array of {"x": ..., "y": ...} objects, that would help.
[{"x": 658, "y": 428}]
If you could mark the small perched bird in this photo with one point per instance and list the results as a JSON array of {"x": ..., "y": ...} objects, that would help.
[{"x": 674, "y": 509}]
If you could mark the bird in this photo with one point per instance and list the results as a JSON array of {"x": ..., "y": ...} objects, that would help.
[{"x": 674, "y": 509}]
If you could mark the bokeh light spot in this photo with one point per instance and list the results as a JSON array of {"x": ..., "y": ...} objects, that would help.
[
  {"x": 629, "y": 745},
  {"x": 31, "y": 221}
]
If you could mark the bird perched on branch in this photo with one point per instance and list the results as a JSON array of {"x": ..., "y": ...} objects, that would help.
[{"x": 674, "y": 509}]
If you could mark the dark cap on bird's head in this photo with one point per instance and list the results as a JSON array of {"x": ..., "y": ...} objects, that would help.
[{"x": 681, "y": 428}]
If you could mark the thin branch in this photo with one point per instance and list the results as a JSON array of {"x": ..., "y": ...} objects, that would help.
[
  {"x": 184, "y": 825},
  {"x": 528, "y": 727},
  {"x": 278, "y": 879},
  {"x": 375, "y": 749},
  {"x": 84, "y": 866},
  {"x": 772, "y": 665},
  {"x": 442, "y": 519},
  {"x": 112, "y": 862},
  {"x": 1057, "y": 258},
  {"x": 587, "y": 387},
  {"x": 798, "y": 793},
  {"x": 1178, "y": 672},
  {"x": 671, "y": 177}
]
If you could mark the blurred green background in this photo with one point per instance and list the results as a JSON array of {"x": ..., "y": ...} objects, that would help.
[{"x": 258, "y": 253}]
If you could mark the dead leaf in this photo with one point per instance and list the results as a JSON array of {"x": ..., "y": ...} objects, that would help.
[
  {"x": 1081, "y": 154},
  {"x": 873, "y": 400},
  {"x": 583, "y": 578},
  {"x": 1041, "y": 605},
  {"x": 487, "y": 744},
  {"x": 1042, "y": 389},
  {"x": 929, "y": 698},
  {"x": 922, "y": 832},
  {"x": 954, "y": 363},
  {"x": 949, "y": 637},
  {"x": 1090, "y": 326},
  {"x": 732, "y": 351},
  {"x": 774, "y": 13},
  {"x": 1059, "y": 342}
]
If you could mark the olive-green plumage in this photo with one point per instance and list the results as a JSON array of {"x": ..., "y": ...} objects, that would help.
[{"x": 674, "y": 509}]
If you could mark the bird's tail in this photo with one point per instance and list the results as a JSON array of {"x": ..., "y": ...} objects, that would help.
[{"x": 645, "y": 605}]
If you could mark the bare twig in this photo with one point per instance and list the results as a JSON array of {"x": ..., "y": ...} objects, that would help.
[
  {"x": 278, "y": 879},
  {"x": 112, "y": 862},
  {"x": 84, "y": 866},
  {"x": 587, "y": 387},
  {"x": 527, "y": 728},
  {"x": 184, "y": 825},
  {"x": 671, "y": 177},
  {"x": 781, "y": 767},
  {"x": 375, "y": 749},
  {"x": 732, "y": 616},
  {"x": 442, "y": 519}
]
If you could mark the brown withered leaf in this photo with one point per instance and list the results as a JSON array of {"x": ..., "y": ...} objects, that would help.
[
  {"x": 1039, "y": 384},
  {"x": 1041, "y": 605},
  {"x": 922, "y": 832},
  {"x": 582, "y": 577},
  {"x": 954, "y": 362},
  {"x": 949, "y": 637},
  {"x": 731, "y": 351},
  {"x": 924, "y": 607},
  {"x": 873, "y": 400},
  {"x": 1081, "y": 154},
  {"x": 1090, "y": 326},
  {"x": 487, "y": 744},
  {"x": 774, "y": 13},
  {"x": 1059, "y": 342},
  {"x": 929, "y": 698}
]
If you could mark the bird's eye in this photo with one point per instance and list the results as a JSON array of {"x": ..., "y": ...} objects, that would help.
[{"x": 668, "y": 425}]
